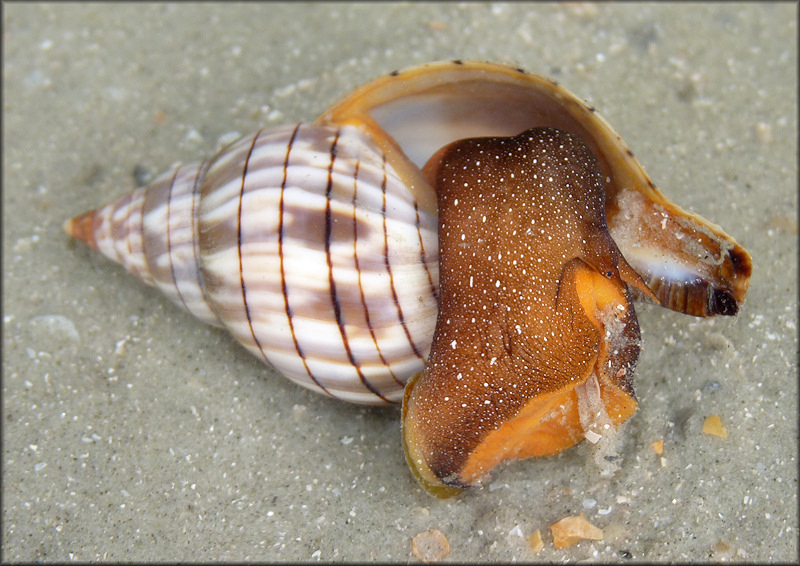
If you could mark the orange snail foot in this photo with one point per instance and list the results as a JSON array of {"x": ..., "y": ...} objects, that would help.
[
  {"x": 547, "y": 423},
  {"x": 546, "y": 426}
]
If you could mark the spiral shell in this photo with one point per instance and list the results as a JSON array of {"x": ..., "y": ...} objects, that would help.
[
  {"x": 316, "y": 245},
  {"x": 304, "y": 244}
]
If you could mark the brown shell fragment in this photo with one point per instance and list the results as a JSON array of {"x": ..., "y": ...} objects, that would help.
[
  {"x": 535, "y": 541},
  {"x": 430, "y": 546},
  {"x": 658, "y": 447},
  {"x": 569, "y": 531},
  {"x": 713, "y": 426}
]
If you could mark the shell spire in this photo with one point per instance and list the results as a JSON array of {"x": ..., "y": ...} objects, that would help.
[
  {"x": 152, "y": 233},
  {"x": 81, "y": 228}
]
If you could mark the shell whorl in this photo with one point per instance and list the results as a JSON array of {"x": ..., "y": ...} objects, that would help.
[{"x": 303, "y": 242}]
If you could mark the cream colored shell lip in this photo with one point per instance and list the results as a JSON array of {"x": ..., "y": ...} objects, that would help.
[{"x": 315, "y": 245}]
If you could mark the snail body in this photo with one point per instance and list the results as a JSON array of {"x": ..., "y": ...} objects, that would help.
[
  {"x": 534, "y": 314},
  {"x": 318, "y": 247}
]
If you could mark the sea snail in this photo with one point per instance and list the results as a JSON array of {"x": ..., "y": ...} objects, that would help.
[{"x": 471, "y": 229}]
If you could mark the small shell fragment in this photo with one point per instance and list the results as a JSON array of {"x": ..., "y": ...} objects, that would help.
[
  {"x": 658, "y": 447},
  {"x": 430, "y": 546},
  {"x": 713, "y": 427},
  {"x": 535, "y": 540},
  {"x": 571, "y": 530}
]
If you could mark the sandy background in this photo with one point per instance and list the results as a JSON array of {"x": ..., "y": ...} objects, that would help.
[{"x": 133, "y": 432}]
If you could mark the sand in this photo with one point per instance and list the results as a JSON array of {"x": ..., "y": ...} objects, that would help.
[{"x": 131, "y": 431}]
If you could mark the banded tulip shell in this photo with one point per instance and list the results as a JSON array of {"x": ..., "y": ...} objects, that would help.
[{"x": 316, "y": 245}]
